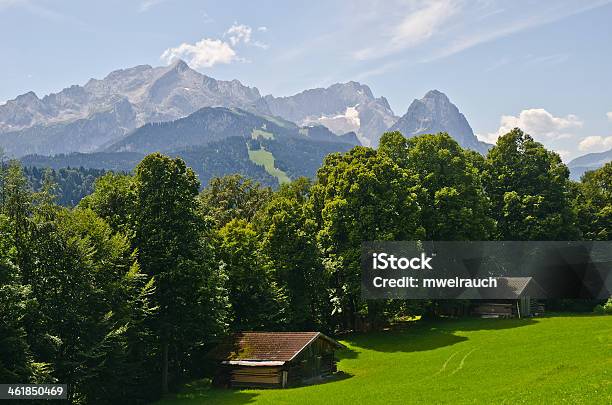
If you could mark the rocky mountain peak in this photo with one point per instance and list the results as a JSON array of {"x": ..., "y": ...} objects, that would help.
[
  {"x": 384, "y": 102},
  {"x": 27, "y": 98},
  {"x": 179, "y": 65},
  {"x": 436, "y": 113},
  {"x": 342, "y": 107},
  {"x": 437, "y": 101},
  {"x": 359, "y": 90},
  {"x": 436, "y": 94}
]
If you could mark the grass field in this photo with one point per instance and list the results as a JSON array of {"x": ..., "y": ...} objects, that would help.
[
  {"x": 553, "y": 360},
  {"x": 264, "y": 158},
  {"x": 259, "y": 133}
]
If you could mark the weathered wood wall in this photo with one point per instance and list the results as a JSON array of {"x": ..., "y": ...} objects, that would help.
[{"x": 255, "y": 376}]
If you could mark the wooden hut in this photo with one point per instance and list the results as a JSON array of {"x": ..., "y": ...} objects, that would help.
[
  {"x": 274, "y": 359},
  {"x": 513, "y": 297}
]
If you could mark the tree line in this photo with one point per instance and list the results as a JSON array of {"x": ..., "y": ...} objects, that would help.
[
  {"x": 71, "y": 184},
  {"x": 121, "y": 296}
]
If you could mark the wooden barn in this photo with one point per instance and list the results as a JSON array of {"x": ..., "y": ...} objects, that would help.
[
  {"x": 513, "y": 297},
  {"x": 274, "y": 359}
]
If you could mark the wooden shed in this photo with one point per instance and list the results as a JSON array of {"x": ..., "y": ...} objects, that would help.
[
  {"x": 274, "y": 359},
  {"x": 513, "y": 297}
]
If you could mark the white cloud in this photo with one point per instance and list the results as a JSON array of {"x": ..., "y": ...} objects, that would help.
[
  {"x": 547, "y": 59},
  {"x": 429, "y": 30},
  {"x": 565, "y": 154},
  {"x": 9, "y": 3},
  {"x": 376, "y": 71},
  {"x": 205, "y": 53},
  {"x": 146, "y": 5},
  {"x": 537, "y": 122},
  {"x": 263, "y": 28},
  {"x": 609, "y": 115},
  {"x": 413, "y": 29},
  {"x": 209, "y": 52},
  {"x": 40, "y": 9},
  {"x": 498, "y": 64},
  {"x": 261, "y": 45},
  {"x": 465, "y": 41},
  {"x": 595, "y": 143},
  {"x": 238, "y": 33},
  {"x": 490, "y": 137}
]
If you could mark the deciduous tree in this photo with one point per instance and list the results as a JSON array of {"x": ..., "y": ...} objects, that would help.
[
  {"x": 593, "y": 203},
  {"x": 529, "y": 190},
  {"x": 290, "y": 247},
  {"x": 360, "y": 196},
  {"x": 173, "y": 247}
]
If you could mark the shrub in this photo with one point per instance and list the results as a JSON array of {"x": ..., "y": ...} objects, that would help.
[{"x": 605, "y": 308}]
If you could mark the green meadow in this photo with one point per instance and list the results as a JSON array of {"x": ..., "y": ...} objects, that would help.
[
  {"x": 264, "y": 158},
  {"x": 550, "y": 360},
  {"x": 259, "y": 133}
]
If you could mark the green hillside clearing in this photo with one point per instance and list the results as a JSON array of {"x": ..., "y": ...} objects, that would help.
[
  {"x": 558, "y": 359},
  {"x": 260, "y": 133},
  {"x": 264, "y": 158}
]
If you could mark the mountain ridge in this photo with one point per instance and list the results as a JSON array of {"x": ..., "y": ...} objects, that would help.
[
  {"x": 590, "y": 161},
  {"x": 152, "y": 93},
  {"x": 436, "y": 113},
  {"x": 216, "y": 141},
  {"x": 342, "y": 107},
  {"x": 210, "y": 124},
  {"x": 103, "y": 112}
]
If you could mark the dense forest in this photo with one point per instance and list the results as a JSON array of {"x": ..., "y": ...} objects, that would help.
[
  {"x": 121, "y": 296},
  {"x": 70, "y": 185},
  {"x": 214, "y": 142},
  {"x": 297, "y": 156}
]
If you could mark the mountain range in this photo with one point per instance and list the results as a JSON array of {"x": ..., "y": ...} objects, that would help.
[
  {"x": 174, "y": 108},
  {"x": 590, "y": 161},
  {"x": 91, "y": 117},
  {"x": 216, "y": 141}
]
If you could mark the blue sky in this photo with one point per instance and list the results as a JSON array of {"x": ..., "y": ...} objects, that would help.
[{"x": 541, "y": 65}]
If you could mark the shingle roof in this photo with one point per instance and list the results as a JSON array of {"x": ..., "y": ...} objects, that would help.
[
  {"x": 514, "y": 288},
  {"x": 266, "y": 346},
  {"x": 516, "y": 284}
]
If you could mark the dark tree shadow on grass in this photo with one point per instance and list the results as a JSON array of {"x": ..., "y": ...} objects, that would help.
[
  {"x": 402, "y": 341},
  {"x": 474, "y": 324},
  {"x": 202, "y": 392},
  {"x": 337, "y": 376},
  {"x": 427, "y": 335},
  {"x": 560, "y": 314}
]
